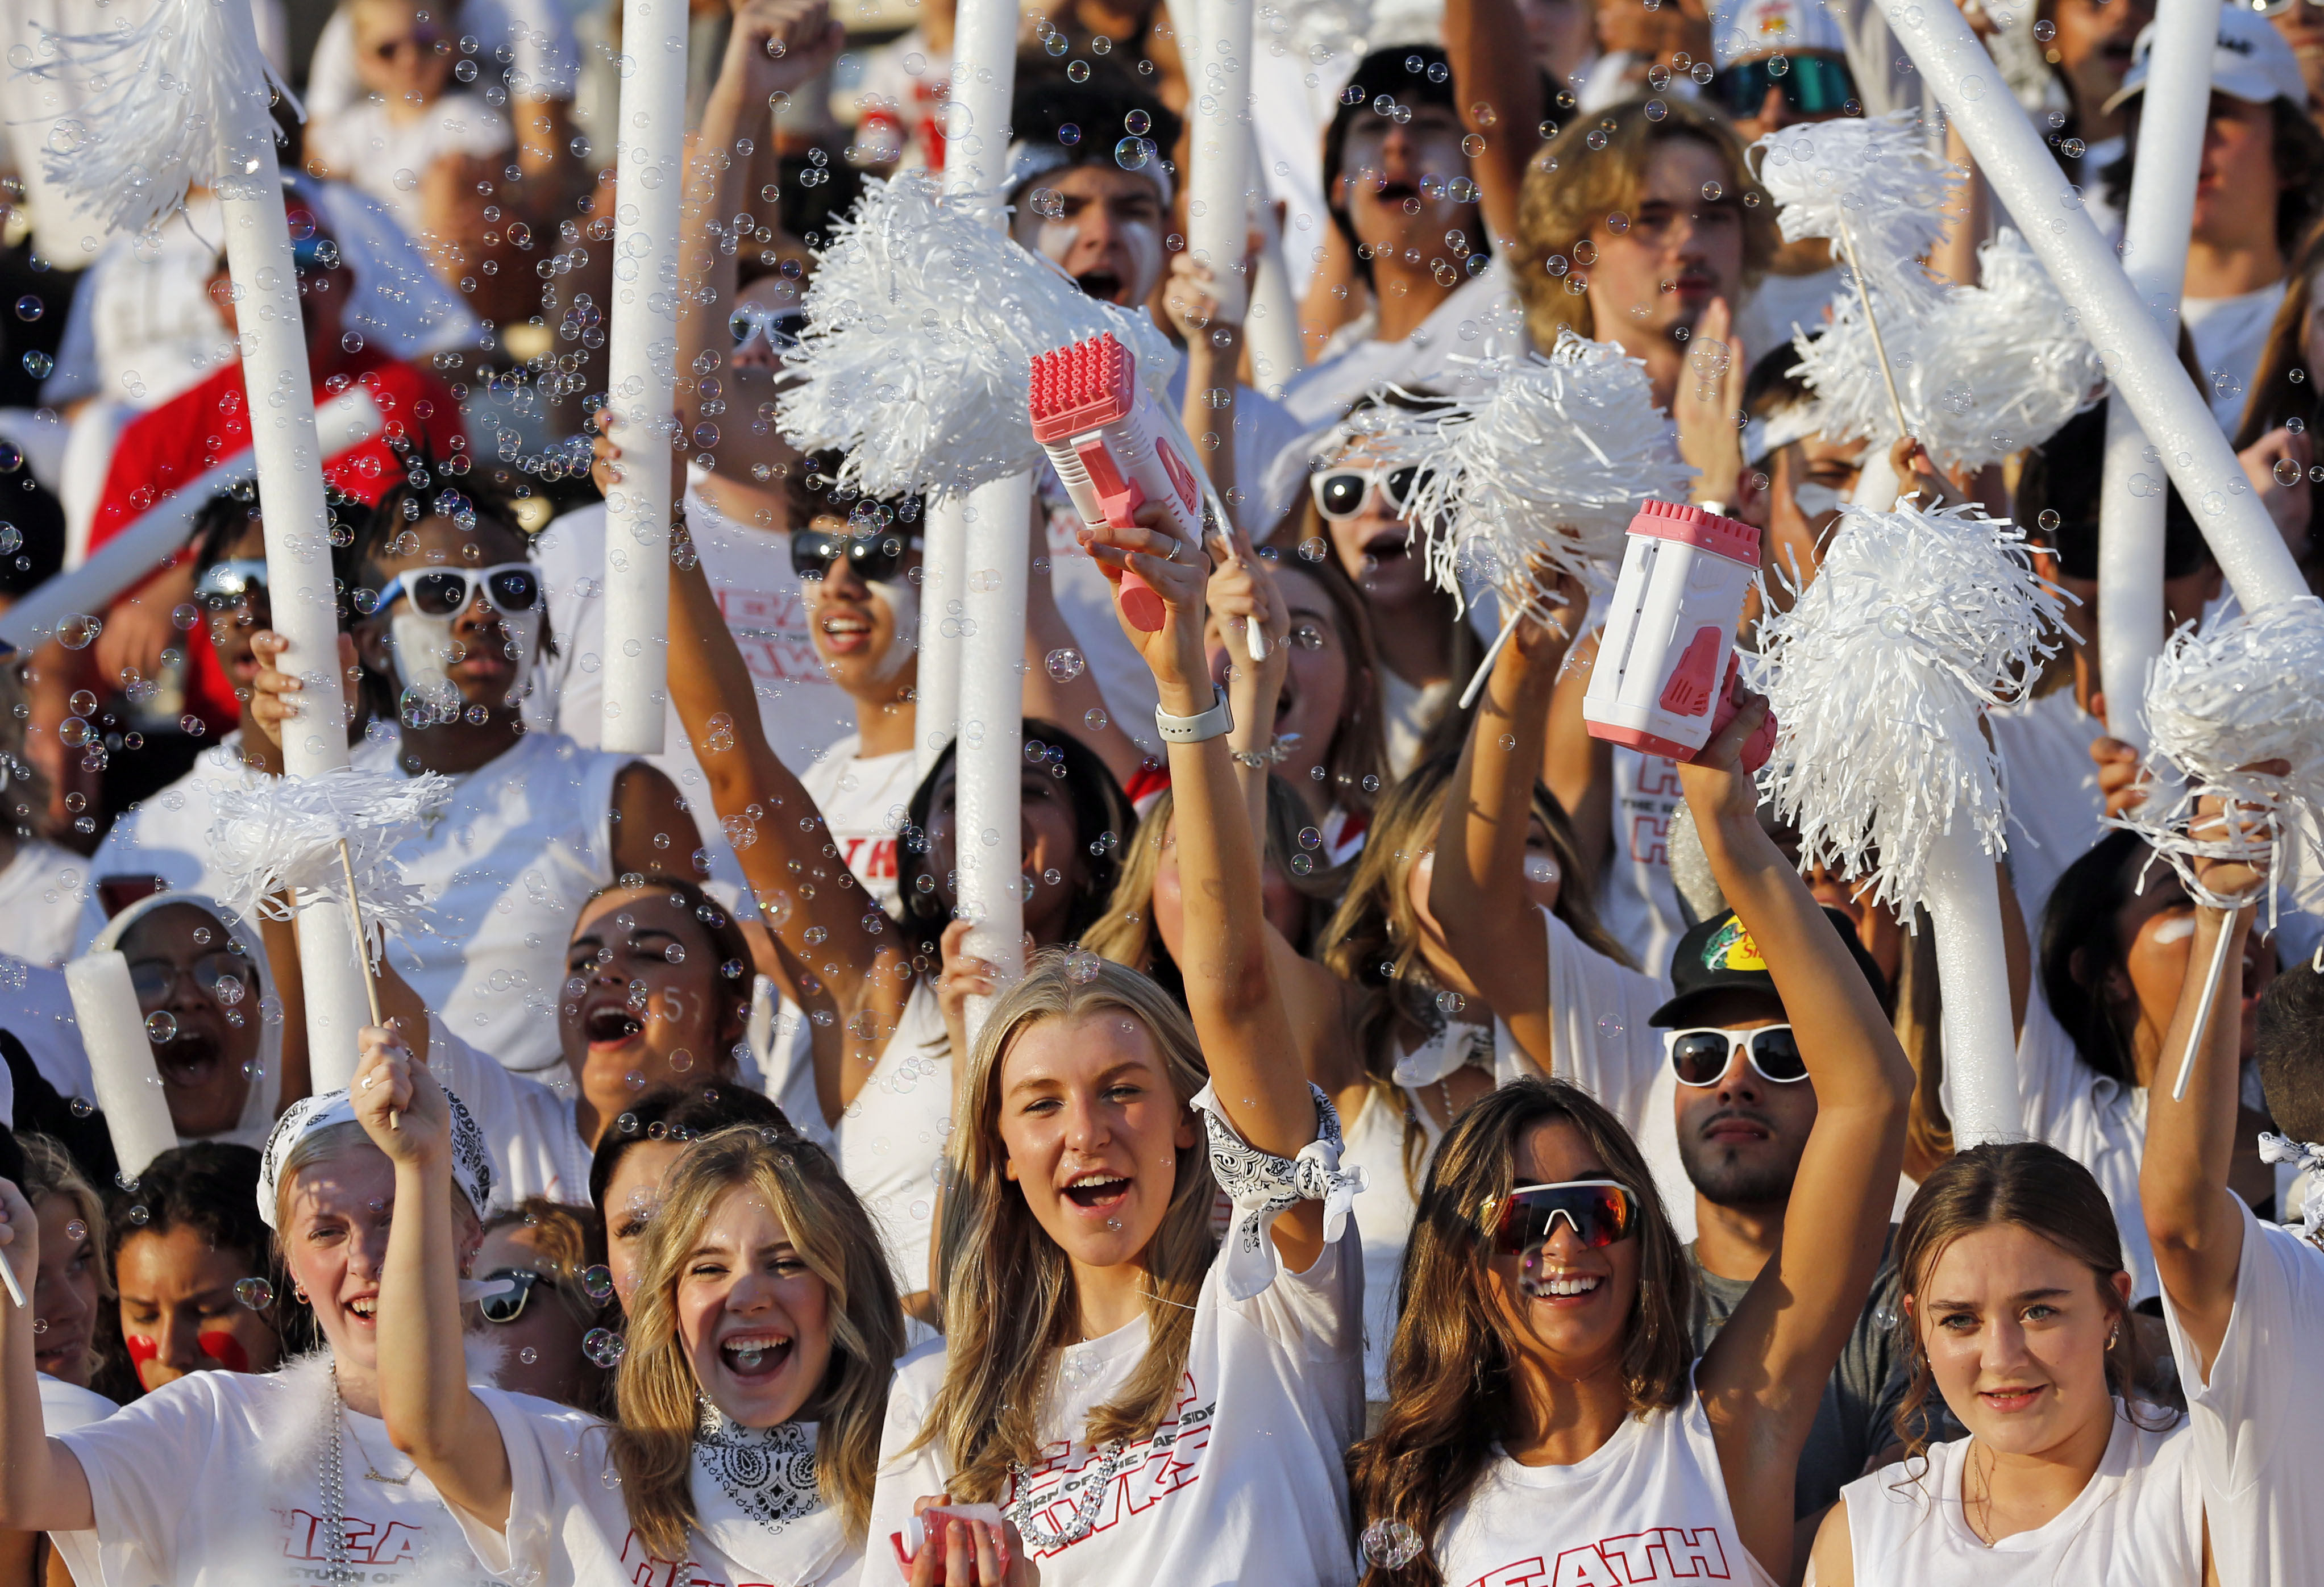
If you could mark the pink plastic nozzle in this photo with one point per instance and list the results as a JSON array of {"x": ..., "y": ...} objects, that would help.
[{"x": 1080, "y": 386}]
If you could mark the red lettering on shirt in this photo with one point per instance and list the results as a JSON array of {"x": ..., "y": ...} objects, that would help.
[
  {"x": 1160, "y": 1466},
  {"x": 1659, "y": 1553},
  {"x": 771, "y": 628},
  {"x": 872, "y": 858},
  {"x": 368, "y": 1544},
  {"x": 1650, "y": 839},
  {"x": 1659, "y": 778},
  {"x": 648, "y": 1569}
]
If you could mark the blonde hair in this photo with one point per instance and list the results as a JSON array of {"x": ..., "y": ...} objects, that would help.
[
  {"x": 1572, "y": 186},
  {"x": 1008, "y": 1289},
  {"x": 656, "y": 1389},
  {"x": 339, "y": 1141},
  {"x": 50, "y": 1170}
]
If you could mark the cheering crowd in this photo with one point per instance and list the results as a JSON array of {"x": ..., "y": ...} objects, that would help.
[{"x": 1426, "y": 1144}]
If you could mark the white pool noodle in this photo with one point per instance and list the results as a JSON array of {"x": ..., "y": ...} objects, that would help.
[
  {"x": 936, "y": 711},
  {"x": 1964, "y": 902},
  {"x": 2143, "y": 363},
  {"x": 2156, "y": 227},
  {"x": 641, "y": 349},
  {"x": 1218, "y": 224},
  {"x": 1271, "y": 329},
  {"x": 120, "y": 1060}
]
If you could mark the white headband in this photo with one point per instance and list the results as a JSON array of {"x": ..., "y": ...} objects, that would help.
[
  {"x": 1028, "y": 159},
  {"x": 472, "y": 1159},
  {"x": 2309, "y": 1159},
  {"x": 1764, "y": 437}
]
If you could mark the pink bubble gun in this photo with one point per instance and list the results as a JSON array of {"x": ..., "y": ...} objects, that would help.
[
  {"x": 1115, "y": 450},
  {"x": 1665, "y": 676}
]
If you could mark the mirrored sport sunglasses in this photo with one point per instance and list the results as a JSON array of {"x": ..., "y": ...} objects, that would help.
[
  {"x": 447, "y": 591},
  {"x": 1600, "y": 1211},
  {"x": 1340, "y": 492},
  {"x": 501, "y": 1292},
  {"x": 1811, "y": 85},
  {"x": 874, "y": 556},
  {"x": 1699, "y": 1057},
  {"x": 780, "y": 327},
  {"x": 226, "y": 586}
]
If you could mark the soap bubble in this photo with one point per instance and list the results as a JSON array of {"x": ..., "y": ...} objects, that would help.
[
  {"x": 1069, "y": 134},
  {"x": 1066, "y": 665},
  {"x": 1094, "y": 719},
  {"x": 1138, "y": 124},
  {"x": 603, "y": 1347},
  {"x": 1082, "y": 967},
  {"x": 38, "y": 364},
  {"x": 1078, "y": 72},
  {"x": 161, "y": 1026},
  {"x": 256, "y": 1294},
  {"x": 1713, "y": 192},
  {"x": 1048, "y": 203},
  {"x": 76, "y": 1231},
  {"x": 1449, "y": 1002},
  {"x": 1133, "y": 153},
  {"x": 2287, "y": 471},
  {"x": 1390, "y": 1546},
  {"x": 597, "y": 1280},
  {"x": 2048, "y": 518},
  {"x": 29, "y": 308}
]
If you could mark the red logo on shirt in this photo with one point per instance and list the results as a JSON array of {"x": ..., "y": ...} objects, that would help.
[
  {"x": 771, "y": 628},
  {"x": 1160, "y": 1466},
  {"x": 647, "y": 1569},
  {"x": 1660, "y": 1553},
  {"x": 368, "y": 1543},
  {"x": 872, "y": 858}
]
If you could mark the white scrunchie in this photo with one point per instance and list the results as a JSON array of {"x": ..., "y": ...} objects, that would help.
[
  {"x": 2310, "y": 1157},
  {"x": 1262, "y": 1186}
]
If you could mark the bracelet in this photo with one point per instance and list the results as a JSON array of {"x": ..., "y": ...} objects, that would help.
[
  {"x": 1275, "y": 754},
  {"x": 1214, "y": 723}
]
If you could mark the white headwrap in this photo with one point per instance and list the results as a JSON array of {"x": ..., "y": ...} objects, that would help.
[
  {"x": 472, "y": 1159},
  {"x": 2310, "y": 1157}
]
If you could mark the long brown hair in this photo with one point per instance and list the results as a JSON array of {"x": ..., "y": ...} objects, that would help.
[
  {"x": 2275, "y": 395},
  {"x": 656, "y": 1389},
  {"x": 1573, "y": 185},
  {"x": 1355, "y": 762},
  {"x": 1454, "y": 1392},
  {"x": 2037, "y": 1188},
  {"x": 1008, "y": 1289},
  {"x": 1373, "y": 943}
]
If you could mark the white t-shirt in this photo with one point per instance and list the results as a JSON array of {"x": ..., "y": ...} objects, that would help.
[
  {"x": 537, "y": 1149},
  {"x": 1648, "y": 1505},
  {"x": 1638, "y": 902},
  {"x": 862, "y": 801},
  {"x": 1354, "y": 360},
  {"x": 569, "y": 1521},
  {"x": 2056, "y": 811},
  {"x": 1407, "y": 711},
  {"x": 2099, "y": 1122},
  {"x": 2258, "y": 1438},
  {"x": 36, "y": 1009},
  {"x": 40, "y": 895},
  {"x": 892, "y": 1137},
  {"x": 390, "y": 160},
  {"x": 525, "y": 840},
  {"x": 1375, "y": 1143},
  {"x": 216, "y": 1481},
  {"x": 66, "y": 1406},
  {"x": 2138, "y": 1523},
  {"x": 2229, "y": 335},
  {"x": 905, "y": 85},
  {"x": 537, "y": 34},
  {"x": 1244, "y": 1482}
]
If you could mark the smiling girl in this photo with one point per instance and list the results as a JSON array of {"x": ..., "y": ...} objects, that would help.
[{"x": 761, "y": 1338}]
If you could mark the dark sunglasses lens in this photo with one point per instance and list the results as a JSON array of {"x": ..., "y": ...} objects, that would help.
[
  {"x": 812, "y": 551},
  {"x": 1342, "y": 496},
  {"x": 506, "y": 1303},
  {"x": 439, "y": 595},
  {"x": 1744, "y": 89},
  {"x": 151, "y": 980},
  {"x": 874, "y": 556},
  {"x": 1398, "y": 489},
  {"x": 515, "y": 589},
  {"x": 1777, "y": 1055},
  {"x": 1600, "y": 1215},
  {"x": 1700, "y": 1056},
  {"x": 743, "y": 324},
  {"x": 1818, "y": 87}
]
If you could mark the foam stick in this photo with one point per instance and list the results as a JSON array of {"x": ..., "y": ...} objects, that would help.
[
  {"x": 161, "y": 531},
  {"x": 2142, "y": 361},
  {"x": 2156, "y": 227},
  {"x": 641, "y": 375},
  {"x": 936, "y": 712},
  {"x": 1217, "y": 222},
  {"x": 1271, "y": 329},
  {"x": 120, "y": 1060}
]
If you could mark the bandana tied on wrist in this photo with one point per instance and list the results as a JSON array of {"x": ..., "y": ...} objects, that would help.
[
  {"x": 2309, "y": 1156},
  {"x": 1262, "y": 1186}
]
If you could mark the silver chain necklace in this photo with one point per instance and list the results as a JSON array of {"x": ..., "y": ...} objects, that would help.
[
  {"x": 334, "y": 1493},
  {"x": 1111, "y": 1465}
]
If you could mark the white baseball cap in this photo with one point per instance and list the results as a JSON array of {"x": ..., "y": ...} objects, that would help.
[
  {"x": 1741, "y": 29},
  {"x": 2250, "y": 61}
]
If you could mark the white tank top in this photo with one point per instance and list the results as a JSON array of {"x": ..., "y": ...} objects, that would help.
[
  {"x": 1649, "y": 1505},
  {"x": 2139, "y": 1523},
  {"x": 893, "y": 1136}
]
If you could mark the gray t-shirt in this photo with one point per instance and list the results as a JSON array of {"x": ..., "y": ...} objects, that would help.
[{"x": 1857, "y": 1419}]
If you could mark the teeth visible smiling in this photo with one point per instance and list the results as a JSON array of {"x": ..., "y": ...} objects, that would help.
[
  {"x": 1566, "y": 1284},
  {"x": 749, "y": 1350},
  {"x": 366, "y": 1308}
]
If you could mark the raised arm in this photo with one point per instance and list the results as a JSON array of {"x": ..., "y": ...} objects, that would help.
[
  {"x": 1763, "y": 1377},
  {"x": 2193, "y": 1221},
  {"x": 1231, "y": 993},
  {"x": 43, "y": 1487},
  {"x": 431, "y": 1413},
  {"x": 1493, "y": 67}
]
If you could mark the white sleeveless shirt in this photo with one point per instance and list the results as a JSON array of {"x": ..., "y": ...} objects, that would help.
[
  {"x": 2139, "y": 1523},
  {"x": 1649, "y": 1505},
  {"x": 893, "y": 1136}
]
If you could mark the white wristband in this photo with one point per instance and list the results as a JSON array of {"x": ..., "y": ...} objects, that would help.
[{"x": 1193, "y": 730}]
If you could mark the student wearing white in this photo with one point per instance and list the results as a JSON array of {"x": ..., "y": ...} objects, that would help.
[
  {"x": 41, "y": 887},
  {"x": 762, "y": 1331},
  {"x": 1086, "y": 1153},
  {"x": 2016, "y": 1308},
  {"x": 1550, "y": 1418},
  {"x": 2244, "y": 1298},
  {"x": 227, "y": 1479}
]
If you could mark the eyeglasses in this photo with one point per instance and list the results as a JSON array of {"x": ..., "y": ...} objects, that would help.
[
  {"x": 446, "y": 592},
  {"x": 2279, "y": 7},
  {"x": 225, "y": 586},
  {"x": 780, "y": 327},
  {"x": 155, "y": 979},
  {"x": 874, "y": 556},
  {"x": 1811, "y": 85},
  {"x": 1599, "y": 1212},
  {"x": 1699, "y": 1057},
  {"x": 503, "y": 1292},
  {"x": 1340, "y": 492}
]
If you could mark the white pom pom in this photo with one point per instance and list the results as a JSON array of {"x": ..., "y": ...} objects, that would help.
[
  {"x": 162, "y": 90},
  {"x": 1915, "y": 623},
  {"x": 2004, "y": 363},
  {"x": 1543, "y": 474},
  {"x": 2245, "y": 694},
  {"x": 922, "y": 326},
  {"x": 1873, "y": 174},
  {"x": 274, "y": 834}
]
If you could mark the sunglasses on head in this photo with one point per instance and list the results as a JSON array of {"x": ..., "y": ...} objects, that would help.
[
  {"x": 780, "y": 327},
  {"x": 153, "y": 979},
  {"x": 1340, "y": 492},
  {"x": 875, "y": 557},
  {"x": 503, "y": 1292},
  {"x": 226, "y": 586},
  {"x": 446, "y": 592},
  {"x": 1599, "y": 1212},
  {"x": 1699, "y": 1057},
  {"x": 1811, "y": 85}
]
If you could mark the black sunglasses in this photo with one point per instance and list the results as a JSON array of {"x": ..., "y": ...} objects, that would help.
[
  {"x": 875, "y": 557},
  {"x": 1699, "y": 1057},
  {"x": 1811, "y": 85},
  {"x": 228, "y": 586},
  {"x": 507, "y": 1290}
]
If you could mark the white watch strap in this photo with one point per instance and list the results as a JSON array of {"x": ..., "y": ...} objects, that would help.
[{"x": 1193, "y": 730}]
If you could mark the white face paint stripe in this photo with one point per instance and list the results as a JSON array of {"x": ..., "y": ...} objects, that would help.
[
  {"x": 903, "y": 599},
  {"x": 2178, "y": 928}
]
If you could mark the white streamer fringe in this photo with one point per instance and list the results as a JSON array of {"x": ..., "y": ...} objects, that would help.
[
  {"x": 923, "y": 323},
  {"x": 274, "y": 834},
  {"x": 1872, "y": 174},
  {"x": 1915, "y": 624}
]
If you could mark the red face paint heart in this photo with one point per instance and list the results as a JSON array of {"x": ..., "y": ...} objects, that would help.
[
  {"x": 142, "y": 1349},
  {"x": 225, "y": 1350}
]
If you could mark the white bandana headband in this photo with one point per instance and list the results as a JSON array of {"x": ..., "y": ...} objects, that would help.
[
  {"x": 2309, "y": 1156},
  {"x": 472, "y": 1159},
  {"x": 1263, "y": 1186}
]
